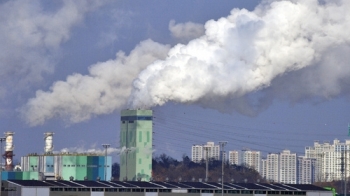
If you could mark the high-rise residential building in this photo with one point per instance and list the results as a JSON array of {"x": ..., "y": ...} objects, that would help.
[
  {"x": 197, "y": 153},
  {"x": 317, "y": 152},
  {"x": 136, "y": 143},
  {"x": 212, "y": 150},
  {"x": 306, "y": 170},
  {"x": 287, "y": 167},
  {"x": 272, "y": 167},
  {"x": 233, "y": 157},
  {"x": 331, "y": 159},
  {"x": 201, "y": 152},
  {"x": 251, "y": 159}
]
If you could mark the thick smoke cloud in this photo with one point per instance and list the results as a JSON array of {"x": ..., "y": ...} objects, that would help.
[
  {"x": 295, "y": 50},
  {"x": 104, "y": 90},
  {"x": 250, "y": 52},
  {"x": 186, "y": 31},
  {"x": 30, "y": 38}
]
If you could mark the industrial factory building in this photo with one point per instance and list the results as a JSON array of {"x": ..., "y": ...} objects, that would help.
[
  {"x": 68, "y": 165},
  {"x": 135, "y": 158},
  {"x": 55, "y": 166},
  {"x": 140, "y": 188},
  {"x": 136, "y": 144}
]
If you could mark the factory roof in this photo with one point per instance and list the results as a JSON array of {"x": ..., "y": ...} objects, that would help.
[
  {"x": 168, "y": 185},
  {"x": 67, "y": 154}
]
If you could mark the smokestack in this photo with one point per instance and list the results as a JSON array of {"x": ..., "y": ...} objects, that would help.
[
  {"x": 8, "y": 156},
  {"x": 48, "y": 142}
]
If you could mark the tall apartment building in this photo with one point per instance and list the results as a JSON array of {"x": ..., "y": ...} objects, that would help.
[
  {"x": 202, "y": 152},
  {"x": 287, "y": 167},
  {"x": 233, "y": 157},
  {"x": 251, "y": 159},
  {"x": 272, "y": 167},
  {"x": 331, "y": 159},
  {"x": 306, "y": 170},
  {"x": 136, "y": 142},
  {"x": 197, "y": 153},
  {"x": 317, "y": 152},
  {"x": 211, "y": 151}
]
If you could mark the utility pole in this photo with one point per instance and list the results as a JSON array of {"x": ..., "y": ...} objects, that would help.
[
  {"x": 222, "y": 144},
  {"x": 106, "y": 146},
  {"x": 345, "y": 171},
  {"x": 342, "y": 169},
  {"x": 206, "y": 148}
]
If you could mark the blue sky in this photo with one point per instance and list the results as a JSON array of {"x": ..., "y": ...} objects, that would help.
[{"x": 267, "y": 76}]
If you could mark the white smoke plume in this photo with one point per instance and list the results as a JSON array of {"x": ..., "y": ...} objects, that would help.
[
  {"x": 104, "y": 90},
  {"x": 186, "y": 31},
  {"x": 293, "y": 50},
  {"x": 147, "y": 151},
  {"x": 299, "y": 40},
  {"x": 92, "y": 150},
  {"x": 31, "y": 37}
]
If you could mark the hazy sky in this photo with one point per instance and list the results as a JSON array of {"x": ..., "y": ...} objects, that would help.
[{"x": 268, "y": 75}]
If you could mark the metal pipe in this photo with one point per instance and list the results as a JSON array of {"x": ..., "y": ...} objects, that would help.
[
  {"x": 222, "y": 143},
  {"x": 207, "y": 163},
  {"x": 106, "y": 146}
]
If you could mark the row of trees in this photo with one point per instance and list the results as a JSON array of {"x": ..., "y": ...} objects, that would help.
[{"x": 167, "y": 168}]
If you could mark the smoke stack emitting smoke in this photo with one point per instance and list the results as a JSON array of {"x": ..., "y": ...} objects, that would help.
[{"x": 301, "y": 41}]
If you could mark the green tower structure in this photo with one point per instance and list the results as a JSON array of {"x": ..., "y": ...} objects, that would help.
[{"x": 136, "y": 143}]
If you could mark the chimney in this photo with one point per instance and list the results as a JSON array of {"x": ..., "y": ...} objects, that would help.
[
  {"x": 48, "y": 142},
  {"x": 9, "y": 151}
]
